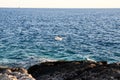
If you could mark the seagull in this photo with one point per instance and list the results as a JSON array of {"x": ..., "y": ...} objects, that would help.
[{"x": 58, "y": 38}]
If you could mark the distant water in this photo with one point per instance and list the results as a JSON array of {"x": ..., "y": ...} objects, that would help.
[{"x": 27, "y": 36}]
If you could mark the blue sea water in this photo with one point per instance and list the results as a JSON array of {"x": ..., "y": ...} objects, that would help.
[{"x": 27, "y": 36}]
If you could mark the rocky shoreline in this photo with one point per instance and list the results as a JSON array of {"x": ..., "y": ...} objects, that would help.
[
  {"x": 64, "y": 70},
  {"x": 14, "y": 74}
]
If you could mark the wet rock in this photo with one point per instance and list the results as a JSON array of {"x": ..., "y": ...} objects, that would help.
[{"x": 75, "y": 70}]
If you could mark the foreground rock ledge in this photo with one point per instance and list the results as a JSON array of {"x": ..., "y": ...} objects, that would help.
[
  {"x": 64, "y": 70},
  {"x": 75, "y": 70}
]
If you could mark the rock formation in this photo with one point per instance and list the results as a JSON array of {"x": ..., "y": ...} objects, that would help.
[
  {"x": 64, "y": 70},
  {"x": 75, "y": 70},
  {"x": 14, "y": 74}
]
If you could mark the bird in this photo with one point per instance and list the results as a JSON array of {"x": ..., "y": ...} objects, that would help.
[{"x": 58, "y": 38}]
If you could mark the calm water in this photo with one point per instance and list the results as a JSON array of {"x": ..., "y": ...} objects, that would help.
[{"x": 27, "y": 36}]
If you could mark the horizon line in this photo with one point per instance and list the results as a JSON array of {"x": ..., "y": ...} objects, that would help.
[{"x": 63, "y": 7}]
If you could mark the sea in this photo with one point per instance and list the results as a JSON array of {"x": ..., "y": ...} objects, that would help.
[{"x": 28, "y": 35}]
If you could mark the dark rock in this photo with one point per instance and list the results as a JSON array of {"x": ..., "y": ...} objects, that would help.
[{"x": 75, "y": 70}]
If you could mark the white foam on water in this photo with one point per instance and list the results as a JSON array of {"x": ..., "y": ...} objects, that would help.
[
  {"x": 58, "y": 38},
  {"x": 34, "y": 61},
  {"x": 89, "y": 59}
]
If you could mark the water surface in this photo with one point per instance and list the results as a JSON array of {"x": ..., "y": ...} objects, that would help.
[{"x": 27, "y": 36}]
